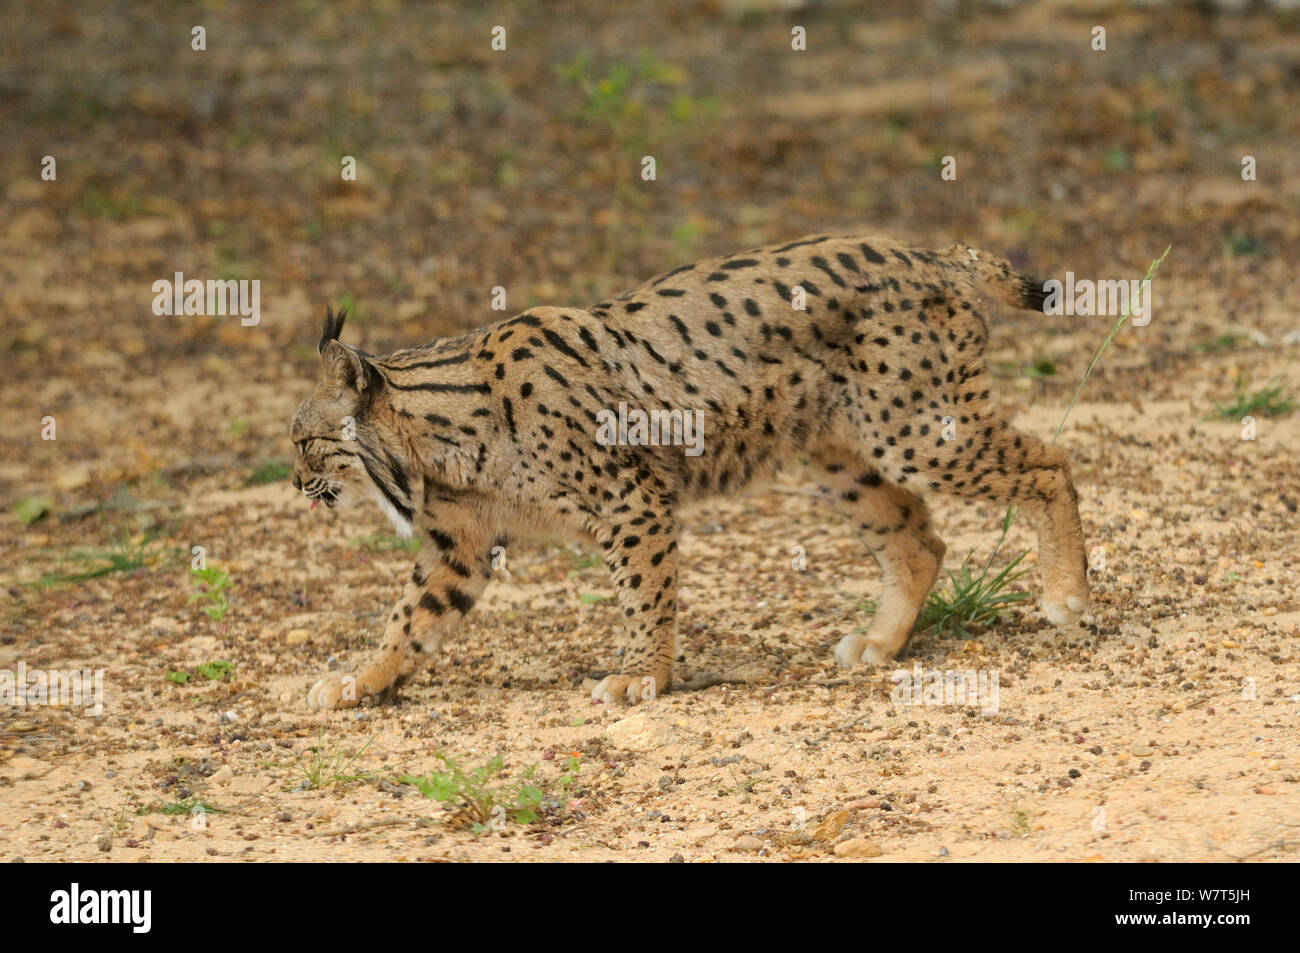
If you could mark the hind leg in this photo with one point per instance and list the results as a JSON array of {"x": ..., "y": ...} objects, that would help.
[
  {"x": 1006, "y": 466},
  {"x": 897, "y": 528},
  {"x": 1043, "y": 487}
]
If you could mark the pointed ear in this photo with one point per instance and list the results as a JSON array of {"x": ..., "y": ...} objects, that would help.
[
  {"x": 342, "y": 366},
  {"x": 332, "y": 329}
]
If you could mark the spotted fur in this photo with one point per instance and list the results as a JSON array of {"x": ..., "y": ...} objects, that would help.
[{"x": 484, "y": 437}]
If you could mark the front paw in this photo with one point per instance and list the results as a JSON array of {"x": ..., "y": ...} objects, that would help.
[
  {"x": 856, "y": 649},
  {"x": 628, "y": 689},
  {"x": 334, "y": 691}
]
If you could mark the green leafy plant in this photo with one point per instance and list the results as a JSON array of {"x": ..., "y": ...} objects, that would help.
[
  {"x": 621, "y": 100},
  {"x": 748, "y": 785},
  {"x": 230, "y": 264},
  {"x": 273, "y": 471},
  {"x": 686, "y": 237},
  {"x": 572, "y": 769},
  {"x": 185, "y": 806},
  {"x": 117, "y": 205},
  {"x": 210, "y": 585},
  {"x": 212, "y": 671},
  {"x": 1269, "y": 400},
  {"x": 384, "y": 542},
  {"x": 1020, "y": 826},
  {"x": 29, "y": 509},
  {"x": 123, "y": 554},
  {"x": 1240, "y": 244},
  {"x": 1040, "y": 368},
  {"x": 327, "y": 763},
  {"x": 332, "y": 765},
  {"x": 348, "y": 303},
  {"x": 1227, "y": 341},
  {"x": 485, "y": 796},
  {"x": 973, "y": 599}
]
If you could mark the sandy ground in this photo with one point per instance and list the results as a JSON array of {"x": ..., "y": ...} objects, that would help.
[{"x": 1164, "y": 728}]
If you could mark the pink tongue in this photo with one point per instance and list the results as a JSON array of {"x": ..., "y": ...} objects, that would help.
[{"x": 311, "y": 505}]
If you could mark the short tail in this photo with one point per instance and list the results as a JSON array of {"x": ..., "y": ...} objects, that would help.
[{"x": 997, "y": 278}]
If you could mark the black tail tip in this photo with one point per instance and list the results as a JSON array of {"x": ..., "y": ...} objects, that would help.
[{"x": 1033, "y": 295}]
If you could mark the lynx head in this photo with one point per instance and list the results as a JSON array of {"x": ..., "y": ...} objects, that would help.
[{"x": 346, "y": 448}]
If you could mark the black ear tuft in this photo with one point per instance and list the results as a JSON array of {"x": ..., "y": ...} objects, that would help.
[{"x": 333, "y": 327}]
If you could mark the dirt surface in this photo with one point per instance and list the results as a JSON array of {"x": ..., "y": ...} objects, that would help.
[{"x": 1163, "y": 728}]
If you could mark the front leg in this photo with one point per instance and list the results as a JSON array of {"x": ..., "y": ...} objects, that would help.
[
  {"x": 643, "y": 561},
  {"x": 450, "y": 574}
]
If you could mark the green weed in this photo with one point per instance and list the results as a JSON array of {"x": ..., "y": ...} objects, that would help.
[
  {"x": 123, "y": 554},
  {"x": 273, "y": 471},
  {"x": 210, "y": 585},
  {"x": 486, "y": 797},
  {"x": 326, "y": 764},
  {"x": 1268, "y": 400},
  {"x": 974, "y": 599},
  {"x": 185, "y": 806},
  {"x": 385, "y": 542},
  {"x": 212, "y": 671}
]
